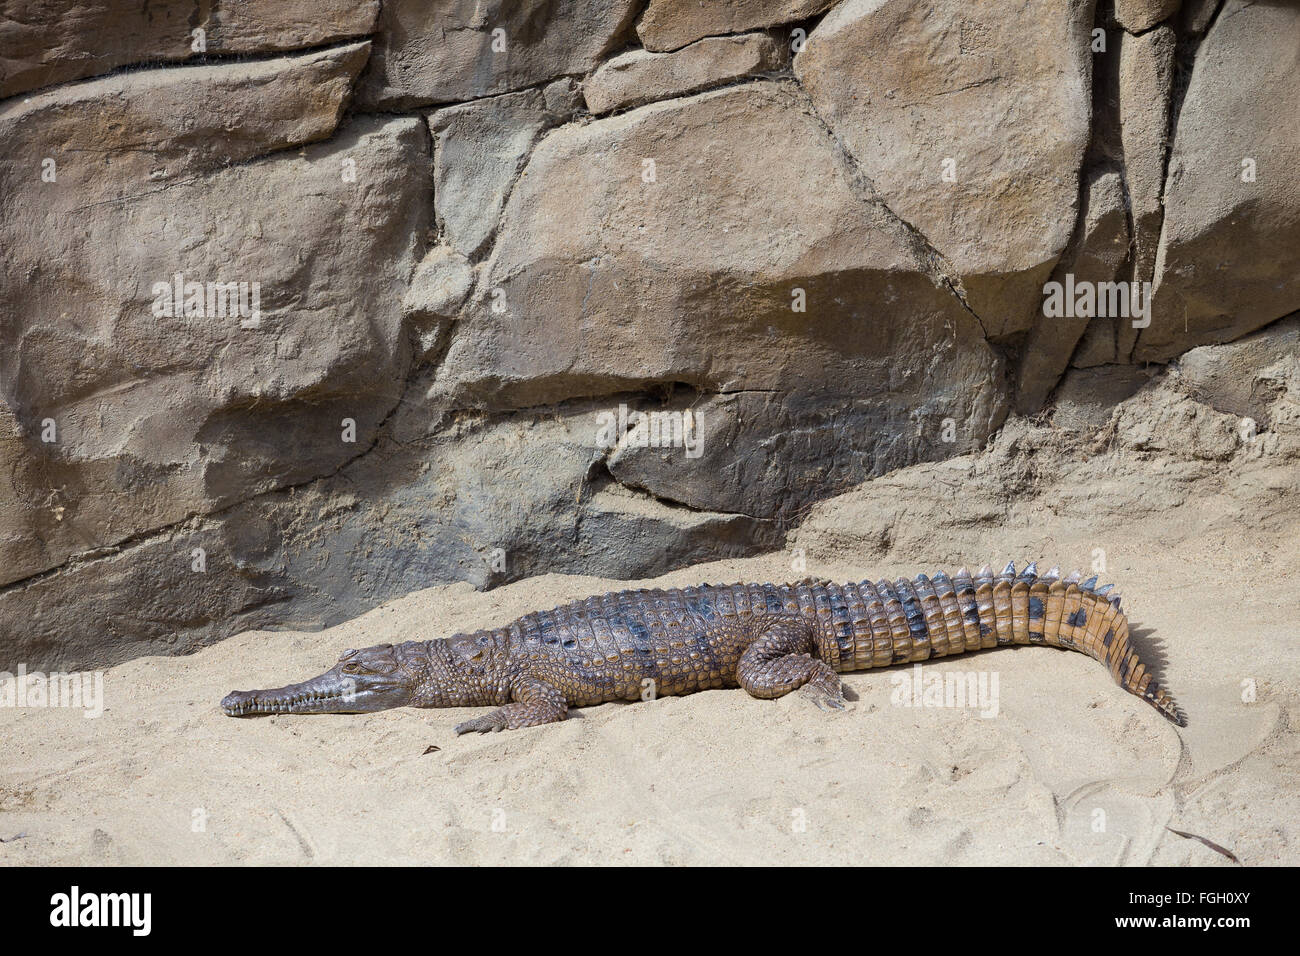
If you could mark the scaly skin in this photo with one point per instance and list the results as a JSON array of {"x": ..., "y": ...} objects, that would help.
[{"x": 768, "y": 639}]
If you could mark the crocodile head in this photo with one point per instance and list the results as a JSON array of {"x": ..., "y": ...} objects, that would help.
[{"x": 374, "y": 678}]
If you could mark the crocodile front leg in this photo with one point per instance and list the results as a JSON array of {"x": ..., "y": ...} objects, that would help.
[
  {"x": 533, "y": 702},
  {"x": 780, "y": 660}
]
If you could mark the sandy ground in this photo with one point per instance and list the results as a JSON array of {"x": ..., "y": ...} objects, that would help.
[
  {"x": 1071, "y": 770},
  {"x": 1200, "y": 539}
]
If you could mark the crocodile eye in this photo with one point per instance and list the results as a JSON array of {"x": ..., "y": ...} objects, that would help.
[{"x": 351, "y": 668}]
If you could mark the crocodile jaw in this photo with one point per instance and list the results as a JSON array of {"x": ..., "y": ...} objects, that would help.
[{"x": 328, "y": 694}]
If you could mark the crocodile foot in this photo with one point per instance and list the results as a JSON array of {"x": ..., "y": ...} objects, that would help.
[
  {"x": 488, "y": 723},
  {"x": 826, "y": 697}
]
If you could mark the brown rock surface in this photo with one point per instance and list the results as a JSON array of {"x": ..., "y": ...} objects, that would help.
[
  {"x": 163, "y": 416},
  {"x": 1137, "y": 16},
  {"x": 1229, "y": 255},
  {"x": 46, "y": 43},
  {"x": 671, "y": 24},
  {"x": 609, "y": 282},
  {"x": 1102, "y": 249},
  {"x": 639, "y": 76},
  {"x": 447, "y": 51},
  {"x": 971, "y": 121}
]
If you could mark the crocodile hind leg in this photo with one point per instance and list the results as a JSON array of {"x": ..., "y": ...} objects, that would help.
[
  {"x": 780, "y": 660},
  {"x": 533, "y": 702}
]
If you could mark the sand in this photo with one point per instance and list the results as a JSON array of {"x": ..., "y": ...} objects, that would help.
[{"x": 1071, "y": 770}]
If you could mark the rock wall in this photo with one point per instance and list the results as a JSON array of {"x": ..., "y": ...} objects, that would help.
[{"x": 303, "y": 307}]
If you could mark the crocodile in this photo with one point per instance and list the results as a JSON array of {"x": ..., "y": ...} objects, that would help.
[{"x": 769, "y": 639}]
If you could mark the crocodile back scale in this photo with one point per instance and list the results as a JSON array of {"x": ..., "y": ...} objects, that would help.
[{"x": 769, "y": 639}]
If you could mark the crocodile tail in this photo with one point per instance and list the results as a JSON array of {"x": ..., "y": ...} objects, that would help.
[
  {"x": 1080, "y": 615},
  {"x": 1121, "y": 658},
  {"x": 938, "y": 616}
]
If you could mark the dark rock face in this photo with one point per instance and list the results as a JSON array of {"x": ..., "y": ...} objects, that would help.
[{"x": 302, "y": 309}]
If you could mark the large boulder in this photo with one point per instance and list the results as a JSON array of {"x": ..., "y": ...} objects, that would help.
[
  {"x": 671, "y": 24},
  {"x": 44, "y": 43},
  {"x": 1101, "y": 249},
  {"x": 1246, "y": 377},
  {"x": 614, "y": 275},
  {"x": 92, "y": 142},
  {"x": 477, "y": 499},
  {"x": 138, "y": 408},
  {"x": 447, "y": 51},
  {"x": 1146, "y": 75},
  {"x": 1138, "y": 16},
  {"x": 479, "y": 150},
  {"x": 971, "y": 120},
  {"x": 639, "y": 76},
  {"x": 1229, "y": 255},
  {"x": 650, "y": 248},
  {"x": 771, "y": 455},
  {"x": 146, "y": 599}
]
